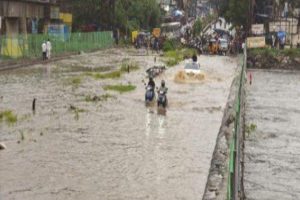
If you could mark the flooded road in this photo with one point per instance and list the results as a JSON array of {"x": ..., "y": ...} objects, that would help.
[
  {"x": 116, "y": 149},
  {"x": 272, "y": 161}
]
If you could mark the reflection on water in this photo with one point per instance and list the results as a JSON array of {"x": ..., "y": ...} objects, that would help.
[
  {"x": 148, "y": 122},
  {"x": 155, "y": 123},
  {"x": 161, "y": 126}
]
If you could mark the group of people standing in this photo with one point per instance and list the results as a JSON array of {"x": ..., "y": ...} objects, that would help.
[{"x": 46, "y": 49}]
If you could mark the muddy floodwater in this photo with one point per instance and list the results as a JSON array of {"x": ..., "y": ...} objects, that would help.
[
  {"x": 272, "y": 163},
  {"x": 115, "y": 148}
]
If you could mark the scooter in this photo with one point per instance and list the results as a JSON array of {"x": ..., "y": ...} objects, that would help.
[
  {"x": 162, "y": 100},
  {"x": 150, "y": 94}
]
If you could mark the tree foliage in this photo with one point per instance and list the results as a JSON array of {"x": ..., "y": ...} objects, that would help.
[
  {"x": 123, "y": 14},
  {"x": 197, "y": 27},
  {"x": 235, "y": 11}
]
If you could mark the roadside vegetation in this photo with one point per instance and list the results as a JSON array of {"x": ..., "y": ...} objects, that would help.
[
  {"x": 73, "y": 81},
  {"x": 8, "y": 116},
  {"x": 128, "y": 66},
  {"x": 109, "y": 75},
  {"x": 174, "y": 57},
  {"x": 125, "y": 67},
  {"x": 250, "y": 129},
  {"x": 76, "y": 111},
  {"x": 120, "y": 88},
  {"x": 104, "y": 97},
  {"x": 269, "y": 52}
]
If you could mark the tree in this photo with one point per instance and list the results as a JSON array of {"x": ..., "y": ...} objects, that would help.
[
  {"x": 123, "y": 14},
  {"x": 237, "y": 12},
  {"x": 137, "y": 14},
  {"x": 197, "y": 27}
]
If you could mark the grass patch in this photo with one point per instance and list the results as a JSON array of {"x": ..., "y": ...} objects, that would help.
[
  {"x": 120, "y": 88},
  {"x": 174, "y": 57},
  {"x": 250, "y": 128},
  {"x": 74, "y": 81},
  {"x": 95, "y": 98},
  {"x": 8, "y": 116},
  {"x": 76, "y": 111},
  {"x": 131, "y": 66},
  {"x": 109, "y": 75}
]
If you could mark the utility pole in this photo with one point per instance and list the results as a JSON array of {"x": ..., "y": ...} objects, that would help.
[
  {"x": 250, "y": 10},
  {"x": 112, "y": 7}
]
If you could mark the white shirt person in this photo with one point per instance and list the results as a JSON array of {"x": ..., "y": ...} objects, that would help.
[
  {"x": 44, "y": 50},
  {"x": 49, "y": 48}
]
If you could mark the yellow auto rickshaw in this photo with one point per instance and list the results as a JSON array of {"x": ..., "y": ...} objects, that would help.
[{"x": 213, "y": 46}]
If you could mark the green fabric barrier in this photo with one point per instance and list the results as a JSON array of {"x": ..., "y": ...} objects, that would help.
[{"x": 30, "y": 45}]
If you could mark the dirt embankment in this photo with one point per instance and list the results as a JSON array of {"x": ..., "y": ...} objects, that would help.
[{"x": 274, "y": 59}]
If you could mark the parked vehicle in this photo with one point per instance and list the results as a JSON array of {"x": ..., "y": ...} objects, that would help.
[
  {"x": 213, "y": 46},
  {"x": 171, "y": 30},
  {"x": 223, "y": 46}
]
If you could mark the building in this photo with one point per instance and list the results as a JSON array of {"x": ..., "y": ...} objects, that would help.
[{"x": 26, "y": 16}]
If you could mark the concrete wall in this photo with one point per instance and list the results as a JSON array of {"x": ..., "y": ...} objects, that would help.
[
  {"x": 296, "y": 39},
  {"x": 21, "y": 9}
]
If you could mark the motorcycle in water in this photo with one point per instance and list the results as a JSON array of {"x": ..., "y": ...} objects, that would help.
[
  {"x": 162, "y": 99},
  {"x": 150, "y": 94}
]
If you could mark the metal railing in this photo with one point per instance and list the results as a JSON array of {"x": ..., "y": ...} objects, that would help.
[{"x": 235, "y": 177}]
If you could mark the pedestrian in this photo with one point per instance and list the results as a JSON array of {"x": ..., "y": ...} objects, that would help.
[
  {"x": 194, "y": 58},
  {"x": 44, "y": 50},
  {"x": 49, "y": 48},
  {"x": 273, "y": 41},
  {"x": 148, "y": 45},
  {"x": 156, "y": 45}
]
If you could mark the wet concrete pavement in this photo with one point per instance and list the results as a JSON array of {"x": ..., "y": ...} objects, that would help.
[
  {"x": 272, "y": 161},
  {"x": 115, "y": 149}
]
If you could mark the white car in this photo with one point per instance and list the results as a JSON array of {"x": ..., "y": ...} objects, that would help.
[{"x": 192, "y": 67}]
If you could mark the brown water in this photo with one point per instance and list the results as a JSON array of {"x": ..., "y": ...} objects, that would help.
[
  {"x": 272, "y": 165},
  {"x": 183, "y": 77},
  {"x": 115, "y": 149}
]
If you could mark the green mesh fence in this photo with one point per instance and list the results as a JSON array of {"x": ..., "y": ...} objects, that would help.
[
  {"x": 31, "y": 45},
  {"x": 234, "y": 176}
]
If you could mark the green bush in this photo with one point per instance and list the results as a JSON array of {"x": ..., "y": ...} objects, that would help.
[
  {"x": 170, "y": 45},
  {"x": 176, "y": 56},
  {"x": 268, "y": 52}
]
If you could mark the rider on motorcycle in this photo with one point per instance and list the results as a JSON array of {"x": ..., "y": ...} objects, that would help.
[
  {"x": 162, "y": 94},
  {"x": 163, "y": 87},
  {"x": 151, "y": 83}
]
